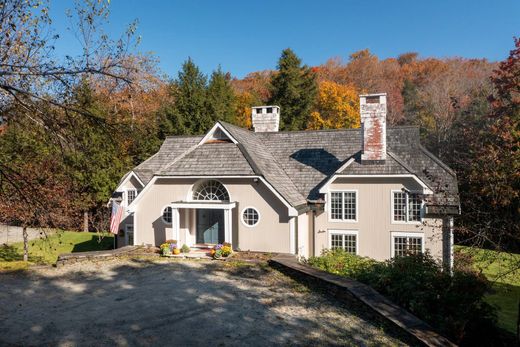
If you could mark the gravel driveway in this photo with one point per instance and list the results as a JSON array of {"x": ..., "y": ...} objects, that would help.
[{"x": 155, "y": 302}]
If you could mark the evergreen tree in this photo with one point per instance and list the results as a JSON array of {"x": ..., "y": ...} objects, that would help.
[
  {"x": 189, "y": 114},
  {"x": 220, "y": 97},
  {"x": 97, "y": 158},
  {"x": 294, "y": 89}
]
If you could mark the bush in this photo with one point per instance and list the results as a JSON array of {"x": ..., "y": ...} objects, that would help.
[
  {"x": 341, "y": 263},
  {"x": 453, "y": 304},
  {"x": 185, "y": 248}
]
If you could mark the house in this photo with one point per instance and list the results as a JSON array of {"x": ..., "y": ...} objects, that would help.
[{"x": 374, "y": 191}]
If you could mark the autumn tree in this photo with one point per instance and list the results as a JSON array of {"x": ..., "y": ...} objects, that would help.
[
  {"x": 294, "y": 89},
  {"x": 337, "y": 106},
  {"x": 488, "y": 164},
  {"x": 35, "y": 92}
]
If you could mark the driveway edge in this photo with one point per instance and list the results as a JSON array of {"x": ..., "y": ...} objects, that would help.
[{"x": 414, "y": 326}]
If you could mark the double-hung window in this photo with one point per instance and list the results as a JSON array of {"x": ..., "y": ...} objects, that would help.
[
  {"x": 131, "y": 194},
  {"x": 407, "y": 244},
  {"x": 343, "y": 239},
  {"x": 406, "y": 207},
  {"x": 343, "y": 205}
]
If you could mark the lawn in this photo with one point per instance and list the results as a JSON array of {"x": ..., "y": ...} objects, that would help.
[
  {"x": 46, "y": 250},
  {"x": 506, "y": 287}
]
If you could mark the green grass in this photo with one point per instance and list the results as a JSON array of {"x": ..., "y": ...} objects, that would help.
[
  {"x": 46, "y": 250},
  {"x": 506, "y": 286}
]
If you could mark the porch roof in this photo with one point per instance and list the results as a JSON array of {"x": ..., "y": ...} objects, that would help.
[{"x": 224, "y": 205}]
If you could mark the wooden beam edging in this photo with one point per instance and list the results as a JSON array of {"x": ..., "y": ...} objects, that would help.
[
  {"x": 414, "y": 326},
  {"x": 66, "y": 258}
]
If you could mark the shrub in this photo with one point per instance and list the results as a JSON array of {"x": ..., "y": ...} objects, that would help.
[
  {"x": 185, "y": 248},
  {"x": 453, "y": 304},
  {"x": 342, "y": 263}
]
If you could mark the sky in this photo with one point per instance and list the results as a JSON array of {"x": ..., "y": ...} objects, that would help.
[{"x": 249, "y": 35}]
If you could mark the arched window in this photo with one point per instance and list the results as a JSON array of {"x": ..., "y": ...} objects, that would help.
[{"x": 210, "y": 190}]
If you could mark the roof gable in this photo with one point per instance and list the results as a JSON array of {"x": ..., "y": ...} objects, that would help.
[{"x": 297, "y": 163}]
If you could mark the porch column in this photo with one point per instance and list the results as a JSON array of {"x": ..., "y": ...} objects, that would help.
[
  {"x": 176, "y": 225},
  {"x": 228, "y": 225}
]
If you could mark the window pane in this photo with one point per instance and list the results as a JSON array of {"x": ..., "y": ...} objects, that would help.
[
  {"x": 399, "y": 246},
  {"x": 399, "y": 206},
  {"x": 336, "y": 204},
  {"x": 414, "y": 245},
  {"x": 250, "y": 216},
  {"x": 350, "y": 243},
  {"x": 336, "y": 241},
  {"x": 406, "y": 245},
  {"x": 414, "y": 208},
  {"x": 350, "y": 205},
  {"x": 131, "y": 194},
  {"x": 167, "y": 214}
]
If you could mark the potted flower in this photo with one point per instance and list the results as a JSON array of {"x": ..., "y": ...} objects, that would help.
[
  {"x": 165, "y": 249},
  {"x": 174, "y": 249}
]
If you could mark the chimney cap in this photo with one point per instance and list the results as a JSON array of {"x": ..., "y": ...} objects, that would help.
[
  {"x": 265, "y": 106},
  {"x": 375, "y": 94}
]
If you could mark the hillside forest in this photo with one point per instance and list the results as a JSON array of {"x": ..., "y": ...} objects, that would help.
[{"x": 70, "y": 129}]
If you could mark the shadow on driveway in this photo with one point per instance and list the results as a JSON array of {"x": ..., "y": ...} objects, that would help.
[{"x": 150, "y": 302}]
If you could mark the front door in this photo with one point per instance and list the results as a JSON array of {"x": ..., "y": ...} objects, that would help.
[{"x": 210, "y": 226}]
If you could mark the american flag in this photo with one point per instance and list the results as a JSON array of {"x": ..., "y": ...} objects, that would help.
[{"x": 115, "y": 218}]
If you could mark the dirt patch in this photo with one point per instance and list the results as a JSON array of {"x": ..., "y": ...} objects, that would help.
[{"x": 151, "y": 301}]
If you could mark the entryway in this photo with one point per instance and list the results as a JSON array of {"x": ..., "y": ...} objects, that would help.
[{"x": 210, "y": 226}]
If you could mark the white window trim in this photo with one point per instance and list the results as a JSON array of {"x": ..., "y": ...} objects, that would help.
[
  {"x": 189, "y": 197},
  {"x": 162, "y": 214},
  {"x": 242, "y": 217},
  {"x": 126, "y": 234},
  {"x": 392, "y": 221},
  {"x": 126, "y": 190},
  {"x": 343, "y": 232},
  {"x": 329, "y": 205},
  {"x": 404, "y": 234}
]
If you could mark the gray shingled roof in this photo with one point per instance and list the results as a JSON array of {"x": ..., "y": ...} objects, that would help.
[
  {"x": 210, "y": 159},
  {"x": 171, "y": 149},
  {"x": 298, "y": 163}
]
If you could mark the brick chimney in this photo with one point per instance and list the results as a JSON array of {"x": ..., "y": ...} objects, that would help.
[
  {"x": 373, "y": 125},
  {"x": 265, "y": 118}
]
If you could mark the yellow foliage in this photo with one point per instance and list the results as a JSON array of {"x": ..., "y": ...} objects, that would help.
[
  {"x": 244, "y": 101},
  {"x": 337, "y": 107}
]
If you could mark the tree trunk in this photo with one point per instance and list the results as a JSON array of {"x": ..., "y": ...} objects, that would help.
[
  {"x": 25, "y": 244},
  {"x": 85, "y": 221},
  {"x": 518, "y": 324}
]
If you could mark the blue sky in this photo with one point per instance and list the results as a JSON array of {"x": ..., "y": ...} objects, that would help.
[{"x": 245, "y": 36}]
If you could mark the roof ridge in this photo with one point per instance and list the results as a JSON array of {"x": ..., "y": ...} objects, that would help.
[
  {"x": 179, "y": 157},
  {"x": 437, "y": 160}
]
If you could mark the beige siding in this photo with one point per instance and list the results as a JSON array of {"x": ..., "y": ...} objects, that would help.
[
  {"x": 374, "y": 224},
  {"x": 303, "y": 235},
  {"x": 270, "y": 234},
  {"x": 131, "y": 183}
]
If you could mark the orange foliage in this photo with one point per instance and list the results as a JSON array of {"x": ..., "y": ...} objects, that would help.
[{"x": 337, "y": 106}]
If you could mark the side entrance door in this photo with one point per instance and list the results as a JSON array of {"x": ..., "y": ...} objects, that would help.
[{"x": 210, "y": 226}]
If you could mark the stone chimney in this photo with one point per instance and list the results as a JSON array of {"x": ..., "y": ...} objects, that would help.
[
  {"x": 265, "y": 118},
  {"x": 373, "y": 125}
]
